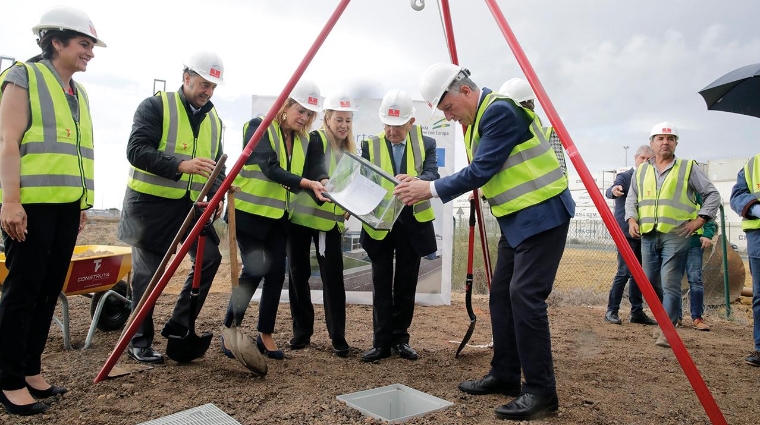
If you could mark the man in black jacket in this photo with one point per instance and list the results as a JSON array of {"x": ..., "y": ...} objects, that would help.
[
  {"x": 618, "y": 192},
  {"x": 175, "y": 142}
]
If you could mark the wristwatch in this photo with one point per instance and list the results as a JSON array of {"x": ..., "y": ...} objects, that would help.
[{"x": 706, "y": 217}]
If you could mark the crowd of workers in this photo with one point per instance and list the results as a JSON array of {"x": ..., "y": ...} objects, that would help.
[{"x": 46, "y": 172}]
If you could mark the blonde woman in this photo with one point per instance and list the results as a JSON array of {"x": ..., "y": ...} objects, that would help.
[
  {"x": 272, "y": 175},
  {"x": 324, "y": 225}
]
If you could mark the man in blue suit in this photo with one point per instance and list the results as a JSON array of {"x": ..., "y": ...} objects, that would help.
[
  {"x": 618, "y": 192},
  {"x": 515, "y": 166}
]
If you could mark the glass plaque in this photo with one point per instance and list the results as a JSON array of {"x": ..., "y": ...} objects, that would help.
[{"x": 364, "y": 190}]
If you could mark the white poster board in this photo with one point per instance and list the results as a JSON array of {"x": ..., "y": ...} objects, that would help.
[{"x": 434, "y": 284}]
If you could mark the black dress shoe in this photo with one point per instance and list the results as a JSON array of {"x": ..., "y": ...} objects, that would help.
[
  {"x": 145, "y": 355},
  {"x": 612, "y": 317},
  {"x": 375, "y": 353},
  {"x": 405, "y": 351},
  {"x": 299, "y": 343},
  {"x": 528, "y": 406},
  {"x": 490, "y": 385},
  {"x": 22, "y": 409},
  {"x": 341, "y": 348},
  {"x": 50, "y": 392},
  {"x": 642, "y": 319}
]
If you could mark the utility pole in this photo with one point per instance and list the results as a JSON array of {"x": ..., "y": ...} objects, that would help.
[{"x": 626, "y": 155}]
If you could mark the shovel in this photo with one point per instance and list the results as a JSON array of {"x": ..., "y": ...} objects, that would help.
[
  {"x": 242, "y": 346},
  {"x": 188, "y": 347},
  {"x": 468, "y": 282}
]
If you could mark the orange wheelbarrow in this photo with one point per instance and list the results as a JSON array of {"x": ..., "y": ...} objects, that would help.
[{"x": 100, "y": 277}]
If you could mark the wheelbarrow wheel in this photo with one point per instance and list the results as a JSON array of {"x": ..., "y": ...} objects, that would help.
[{"x": 115, "y": 311}]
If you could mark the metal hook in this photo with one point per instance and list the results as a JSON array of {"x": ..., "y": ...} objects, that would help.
[{"x": 418, "y": 4}]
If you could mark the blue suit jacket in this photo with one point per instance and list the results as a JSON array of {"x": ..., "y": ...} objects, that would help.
[
  {"x": 622, "y": 179},
  {"x": 502, "y": 127}
]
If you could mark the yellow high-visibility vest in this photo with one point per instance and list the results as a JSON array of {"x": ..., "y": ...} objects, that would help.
[
  {"x": 530, "y": 175},
  {"x": 57, "y": 152},
  {"x": 305, "y": 210},
  {"x": 752, "y": 176},
  {"x": 668, "y": 207},
  {"x": 178, "y": 140},
  {"x": 258, "y": 194},
  {"x": 423, "y": 211}
]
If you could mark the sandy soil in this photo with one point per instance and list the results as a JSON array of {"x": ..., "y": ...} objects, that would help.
[{"x": 606, "y": 374}]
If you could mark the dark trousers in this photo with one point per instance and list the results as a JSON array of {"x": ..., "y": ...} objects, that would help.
[
  {"x": 333, "y": 289},
  {"x": 622, "y": 277},
  {"x": 393, "y": 293},
  {"x": 522, "y": 281},
  {"x": 144, "y": 265},
  {"x": 37, "y": 270},
  {"x": 261, "y": 259}
]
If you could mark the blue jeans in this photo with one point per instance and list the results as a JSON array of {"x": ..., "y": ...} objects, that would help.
[
  {"x": 622, "y": 277},
  {"x": 663, "y": 258},
  {"x": 754, "y": 268},
  {"x": 694, "y": 276}
]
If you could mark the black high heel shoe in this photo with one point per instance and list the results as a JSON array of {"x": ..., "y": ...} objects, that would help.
[
  {"x": 276, "y": 354},
  {"x": 22, "y": 409},
  {"x": 42, "y": 394}
]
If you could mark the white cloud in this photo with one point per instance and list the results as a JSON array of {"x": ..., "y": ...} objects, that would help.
[{"x": 611, "y": 69}]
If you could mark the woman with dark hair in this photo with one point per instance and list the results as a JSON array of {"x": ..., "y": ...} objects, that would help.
[
  {"x": 47, "y": 179},
  {"x": 324, "y": 224},
  {"x": 272, "y": 174}
]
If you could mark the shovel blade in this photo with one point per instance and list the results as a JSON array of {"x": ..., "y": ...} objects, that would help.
[
  {"x": 466, "y": 338},
  {"x": 244, "y": 348},
  {"x": 188, "y": 348}
]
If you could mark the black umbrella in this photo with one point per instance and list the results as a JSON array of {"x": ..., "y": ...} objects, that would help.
[{"x": 737, "y": 92}]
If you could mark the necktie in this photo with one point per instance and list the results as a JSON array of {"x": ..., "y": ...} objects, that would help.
[{"x": 398, "y": 155}]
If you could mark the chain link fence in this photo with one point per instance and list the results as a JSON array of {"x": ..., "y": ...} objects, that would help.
[{"x": 587, "y": 267}]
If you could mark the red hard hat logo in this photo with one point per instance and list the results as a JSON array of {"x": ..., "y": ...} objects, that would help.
[
  {"x": 666, "y": 130},
  {"x": 345, "y": 103},
  {"x": 393, "y": 112},
  {"x": 93, "y": 32},
  {"x": 312, "y": 100},
  {"x": 215, "y": 73}
]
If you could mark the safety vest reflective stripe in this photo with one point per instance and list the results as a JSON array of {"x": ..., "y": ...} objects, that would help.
[
  {"x": 422, "y": 211},
  {"x": 252, "y": 174},
  {"x": 530, "y": 175},
  {"x": 57, "y": 153},
  {"x": 177, "y": 129},
  {"x": 752, "y": 176},
  {"x": 305, "y": 211},
  {"x": 668, "y": 207},
  {"x": 259, "y": 195},
  {"x": 261, "y": 201}
]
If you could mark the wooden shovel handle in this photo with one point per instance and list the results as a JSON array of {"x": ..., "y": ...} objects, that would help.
[{"x": 232, "y": 236}]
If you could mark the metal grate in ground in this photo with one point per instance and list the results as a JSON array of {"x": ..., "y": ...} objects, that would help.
[{"x": 207, "y": 414}]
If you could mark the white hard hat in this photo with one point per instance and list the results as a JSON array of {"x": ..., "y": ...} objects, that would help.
[
  {"x": 396, "y": 108},
  {"x": 67, "y": 18},
  {"x": 339, "y": 101},
  {"x": 208, "y": 65},
  {"x": 437, "y": 79},
  {"x": 306, "y": 93},
  {"x": 518, "y": 90},
  {"x": 664, "y": 128}
]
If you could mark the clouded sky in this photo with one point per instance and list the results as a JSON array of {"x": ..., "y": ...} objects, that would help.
[{"x": 612, "y": 69}]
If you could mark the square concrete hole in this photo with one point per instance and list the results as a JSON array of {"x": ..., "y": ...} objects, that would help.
[{"x": 394, "y": 403}]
